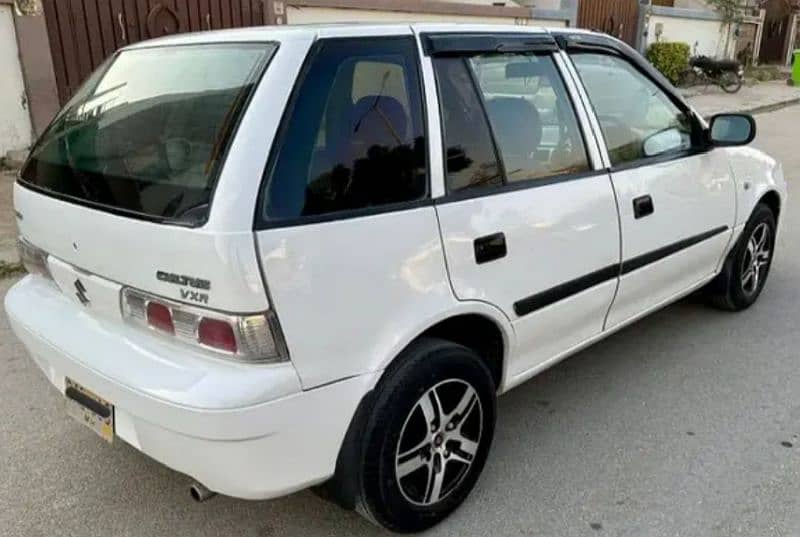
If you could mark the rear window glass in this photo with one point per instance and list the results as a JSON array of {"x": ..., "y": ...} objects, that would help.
[{"x": 147, "y": 133}]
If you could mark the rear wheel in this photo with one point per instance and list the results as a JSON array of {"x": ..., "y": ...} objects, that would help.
[
  {"x": 730, "y": 82},
  {"x": 747, "y": 266},
  {"x": 426, "y": 437}
]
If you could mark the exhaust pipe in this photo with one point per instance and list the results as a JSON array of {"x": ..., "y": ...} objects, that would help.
[{"x": 200, "y": 493}]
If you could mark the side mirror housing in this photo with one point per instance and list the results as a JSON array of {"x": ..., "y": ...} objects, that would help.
[{"x": 727, "y": 130}]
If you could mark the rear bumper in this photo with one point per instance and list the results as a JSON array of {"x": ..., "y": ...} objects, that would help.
[{"x": 234, "y": 446}]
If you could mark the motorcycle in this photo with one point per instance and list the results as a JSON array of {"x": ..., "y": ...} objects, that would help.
[{"x": 727, "y": 74}]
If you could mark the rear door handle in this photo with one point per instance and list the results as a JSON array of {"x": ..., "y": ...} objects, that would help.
[
  {"x": 490, "y": 248},
  {"x": 643, "y": 206}
]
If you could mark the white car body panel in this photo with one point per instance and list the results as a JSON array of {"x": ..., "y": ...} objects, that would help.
[
  {"x": 388, "y": 269},
  {"x": 554, "y": 233},
  {"x": 350, "y": 294},
  {"x": 120, "y": 249},
  {"x": 691, "y": 196}
]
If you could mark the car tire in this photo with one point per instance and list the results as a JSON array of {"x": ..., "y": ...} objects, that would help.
[
  {"x": 424, "y": 437},
  {"x": 747, "y": 266}
]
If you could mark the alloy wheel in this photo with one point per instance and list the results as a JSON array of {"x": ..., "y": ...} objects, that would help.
[
  {"x": 756, "y": 259},
  {"x": 439, "y": 442}
]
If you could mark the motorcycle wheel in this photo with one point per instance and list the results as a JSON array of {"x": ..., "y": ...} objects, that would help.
[{"x": 730, "y": 82}]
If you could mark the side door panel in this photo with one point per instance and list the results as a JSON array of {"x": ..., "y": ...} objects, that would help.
[
  {"x": 682, "y": 242},
  {"x": 677, "y": 203},
  {"x": 556, "y": 235},
  {"x": 559, "y": 274}
]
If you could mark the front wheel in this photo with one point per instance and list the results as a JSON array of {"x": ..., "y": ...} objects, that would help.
[
  {"x": 745, "y": 273},
  {"x": 730, "y": 82},
  {"x": 427, "y": 436}
]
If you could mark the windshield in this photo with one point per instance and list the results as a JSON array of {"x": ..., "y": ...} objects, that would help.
[{"x": 146, "y": 134}]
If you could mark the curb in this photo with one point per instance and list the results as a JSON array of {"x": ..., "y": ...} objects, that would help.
[
  {"x": 760, "y": 109},
  {"x": 763, "y": 109}
]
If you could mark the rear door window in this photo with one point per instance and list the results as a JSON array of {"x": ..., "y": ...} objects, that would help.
[
  {"x": 147, "y": 134},
  {"x": 507, "y": 119},
  {"x": 353, "y": 137}
]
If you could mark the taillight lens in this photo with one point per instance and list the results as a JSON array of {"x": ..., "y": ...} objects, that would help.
[
  {"x": 159, "y": 316},
  {"x": 217, "y": 334},
  {"x": 252, "y": 338},
  {"x": 33, "y": 259}
]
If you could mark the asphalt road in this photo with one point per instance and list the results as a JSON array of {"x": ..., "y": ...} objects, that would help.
[{"x": 685, "y": 424}]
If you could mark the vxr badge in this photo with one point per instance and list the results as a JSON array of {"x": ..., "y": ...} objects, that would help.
[{"x": 81, "y": 293}]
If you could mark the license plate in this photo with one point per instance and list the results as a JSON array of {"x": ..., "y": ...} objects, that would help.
[{"x": 90, "y": 409}]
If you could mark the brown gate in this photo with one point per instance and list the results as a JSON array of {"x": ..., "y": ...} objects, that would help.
[
  {"x": 773, "y": 44},
  {"x": 614, "y": 17},
  {"x": 83, "y": 33}
]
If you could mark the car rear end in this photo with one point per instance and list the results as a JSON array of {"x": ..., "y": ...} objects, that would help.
[{"x": 145, "y": 304}]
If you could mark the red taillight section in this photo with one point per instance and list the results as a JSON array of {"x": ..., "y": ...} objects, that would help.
[
  {"x": 255, "y": 338},
  {"x": 217, "y": 334},
  {"x": 159, "y": 316}
]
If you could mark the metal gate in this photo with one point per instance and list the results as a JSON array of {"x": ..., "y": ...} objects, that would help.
[
  {"x": 83, "y": 33},
  {"x": 774, "y": 42},
  {"x": 614, "y": 17}
]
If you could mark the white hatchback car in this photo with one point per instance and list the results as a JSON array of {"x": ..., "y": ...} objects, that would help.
[{"x": 274, "y": 258}]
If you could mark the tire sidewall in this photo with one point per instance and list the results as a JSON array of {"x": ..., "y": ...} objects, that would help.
[
  {"x": 398, "y": 395},
  {"x": 762, "y": 214}
]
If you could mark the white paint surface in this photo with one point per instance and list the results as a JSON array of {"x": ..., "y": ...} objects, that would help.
[
  {"x": 705, "y": 37},
  {"x": 15, "y": 121},
  {"x": 314, "y": 15}
]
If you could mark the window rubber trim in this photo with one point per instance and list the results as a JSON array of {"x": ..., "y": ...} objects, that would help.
[
  {"x": 438, "y": 44},
  {"x": 262, "y": 224},
  {"x": 542, "y": 299},
  {"x": 487, "y": 191}
]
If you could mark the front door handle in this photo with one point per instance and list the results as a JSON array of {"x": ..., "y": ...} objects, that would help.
[
  {"x": 643, "y": 206},
  {"x": 490, "y": 247}
]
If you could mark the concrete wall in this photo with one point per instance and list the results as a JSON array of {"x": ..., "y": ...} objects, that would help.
[
  {"x": 704, "y": 36},
  {"x": 15, "y": 122}
]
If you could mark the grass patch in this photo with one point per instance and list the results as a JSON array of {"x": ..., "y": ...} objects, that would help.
[
  {"x": 765, "y": 73},
  {"x": 9, "y": 270}
]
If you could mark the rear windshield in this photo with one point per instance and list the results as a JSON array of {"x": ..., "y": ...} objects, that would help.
[{"x": 147, "y": 133}]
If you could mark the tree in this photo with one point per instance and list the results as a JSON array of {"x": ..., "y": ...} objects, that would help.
[
  {"x": 28, "y": 7},
  {"x": 732, "y": 12}
]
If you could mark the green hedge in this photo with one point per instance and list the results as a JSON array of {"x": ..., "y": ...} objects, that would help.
[{"x": 672, "y": 59}]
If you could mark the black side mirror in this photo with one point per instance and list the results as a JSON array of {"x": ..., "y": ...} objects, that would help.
[{"x": 732, "y": 129}]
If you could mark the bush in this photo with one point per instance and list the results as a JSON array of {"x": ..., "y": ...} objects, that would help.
[{"x": 672, "y": 59}]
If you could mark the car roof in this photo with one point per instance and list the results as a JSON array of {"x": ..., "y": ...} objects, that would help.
[{"x": 346, "y": 29}]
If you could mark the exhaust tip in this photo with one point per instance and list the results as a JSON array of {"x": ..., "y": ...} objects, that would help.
[{"x": 199, "y": 493}]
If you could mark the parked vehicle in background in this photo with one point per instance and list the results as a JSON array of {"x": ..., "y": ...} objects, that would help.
[
  {"x": 727, "y": 74},
  {"x": 272, "y": 286}
]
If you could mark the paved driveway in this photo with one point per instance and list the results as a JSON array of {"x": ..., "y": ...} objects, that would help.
[{"x": 684, "y": 424}]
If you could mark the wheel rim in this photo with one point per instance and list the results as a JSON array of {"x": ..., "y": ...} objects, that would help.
[
  {"x": 730, "y": 82},
  {"x": 439, "y": 442},
  {"x": 755, "y": 261}
]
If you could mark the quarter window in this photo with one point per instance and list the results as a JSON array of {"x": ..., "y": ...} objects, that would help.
[
  {"x": 354, "y": 136},
  {"x": 637, "y": 118}
]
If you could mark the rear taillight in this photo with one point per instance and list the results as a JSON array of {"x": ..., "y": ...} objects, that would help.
[
  {"x": 217, "y": 334},
  {"x": 33, "y": 259},
  {"x": 159, "y": 316},
  {"x": 251, "y": 338}
]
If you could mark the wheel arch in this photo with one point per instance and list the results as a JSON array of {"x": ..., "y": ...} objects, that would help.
[
  {"x": 476, "y": 325},
  {"x": 772, "y": 200},
  {"x": 466, "y": 325}
]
